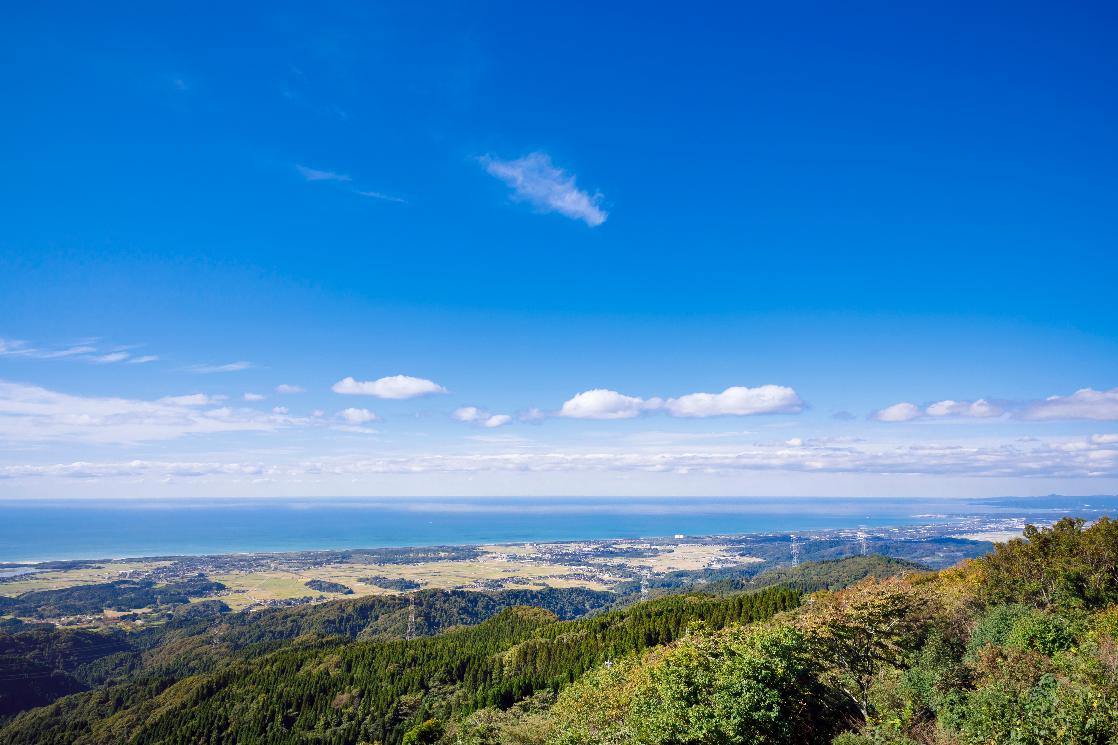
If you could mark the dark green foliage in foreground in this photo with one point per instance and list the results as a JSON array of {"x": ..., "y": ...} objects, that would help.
[
  {"x": 322, "y": 585},
  {"x": 1063, "y": 566},
  {"x": 1023, "y": 648}
]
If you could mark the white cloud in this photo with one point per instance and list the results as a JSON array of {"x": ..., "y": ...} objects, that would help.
[
  {"x": 901, "y": 412},
  {"x": 474, "y": 415},
  {"x": 228, "y": 367},
  {"x": 313, "y": 174},
  {"x": 979, "y": 409},
  {"x": 31, "y": 413},
  {"x": 286, "y": 388},
  {"x": 393, "y": 386},
  {"x": 535, "y": 180},
  {"x": 279, "y": 410},
  {"x": 468, "y": 414},
  {"x": 254, "y": 397},
  {"x": 1086, "y": 403},
  {"x": 601, "y": 403},
  {"x": 143, "y": 359},
  {"x": 357, "y": 416},
  {"x": 906, "y": 412},
  {"x": 737, "y": 401}
]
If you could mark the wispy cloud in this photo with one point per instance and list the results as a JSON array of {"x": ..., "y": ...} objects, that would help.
[
  {"x": 601, "y": 403},
  {"x": 111, "y": 357},
  {"x": 32, "y": 413},
  {"x": 143, "y": 359},
  {"x": 393, "y": 386},
  {"x": 313, "y": 174},
  {"x": 535, "y": 180},
  {"x": 86, "y": 351},
  {"x": 381, "y": 195},
  {"x": 227, "y": 367},
  {"x": 288, "y": 388}
]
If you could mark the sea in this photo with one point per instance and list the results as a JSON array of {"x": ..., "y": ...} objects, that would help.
[{"x": 107, "y": 529}]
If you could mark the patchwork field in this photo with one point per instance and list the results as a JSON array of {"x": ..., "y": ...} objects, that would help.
[
  {"x": 145, "y": 591},
  {"x": 267, "y": 580},
  {"x": 86, "y": 575}
]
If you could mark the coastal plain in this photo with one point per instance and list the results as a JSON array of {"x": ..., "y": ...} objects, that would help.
[{"x": 151, "y": 590}]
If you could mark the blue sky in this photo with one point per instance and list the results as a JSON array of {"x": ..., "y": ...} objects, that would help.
[{"x": 867, "y": 249}]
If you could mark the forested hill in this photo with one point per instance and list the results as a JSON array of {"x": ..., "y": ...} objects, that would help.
[
  {"x": 39, "y": 663},
  {"x": 1017, "y": 647},
  {"x": 342, "y": 691},
  {"x": 830, "y": 575}
]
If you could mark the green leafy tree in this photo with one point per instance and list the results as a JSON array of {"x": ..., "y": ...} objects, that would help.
[
  {"x": 1066, "y": 565},
  {"x": 425, "y": 733},
  {"x": 737, "y": 687},
  {"x": 864, "y": 629}
]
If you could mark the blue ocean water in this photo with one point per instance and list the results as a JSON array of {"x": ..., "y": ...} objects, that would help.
[{"x": 42, "y": 531}]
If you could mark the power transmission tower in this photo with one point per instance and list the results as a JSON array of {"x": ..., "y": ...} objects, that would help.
[
  {"x": 863, "y": 543},
  {"x": 795, "y": 551},
  {"x": 644, "y": 585},
  {"x": 410, "y": 633}
]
